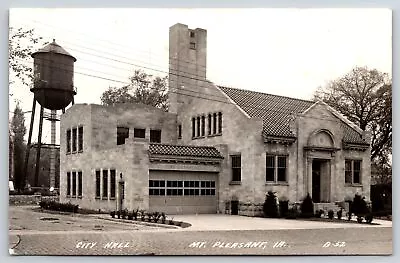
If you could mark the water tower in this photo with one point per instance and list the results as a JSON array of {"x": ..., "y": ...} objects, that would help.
[{"x": 53, "y": 89}]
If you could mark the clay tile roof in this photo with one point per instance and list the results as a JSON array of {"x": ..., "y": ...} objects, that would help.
[
  {"x": 276, "y": 112},
  {"x": 184, "y": 150}
]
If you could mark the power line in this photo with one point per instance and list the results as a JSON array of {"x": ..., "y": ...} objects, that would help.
[{"x": 113, "y": 44}]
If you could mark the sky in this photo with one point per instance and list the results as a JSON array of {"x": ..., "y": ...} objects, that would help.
[{"x": 289, "y": 52}]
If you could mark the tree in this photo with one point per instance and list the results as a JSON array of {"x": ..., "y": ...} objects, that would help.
[
  {"x": 18, "y": 128},
  {"x": 364, "y": 96},
  {"x": 143, "y": 88},
  {"x": 21, "y": 42}
]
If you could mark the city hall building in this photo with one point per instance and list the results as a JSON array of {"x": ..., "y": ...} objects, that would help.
[{"x": 217, "y": 150}]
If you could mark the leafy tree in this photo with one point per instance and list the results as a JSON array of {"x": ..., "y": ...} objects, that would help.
[
  {"x": 18, "y": 128},
  {"x": 270, "y": 206},
  {"x": 364, "y": 96},
  {"x": 143, "y": 88},
  {"x": 21, "y": 43}
]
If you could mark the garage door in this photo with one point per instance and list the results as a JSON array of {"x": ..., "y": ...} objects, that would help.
[{"x": 181, "y": 192}]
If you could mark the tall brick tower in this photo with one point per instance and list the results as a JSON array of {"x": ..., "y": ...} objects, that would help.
[{"x": 187, "y": 64}]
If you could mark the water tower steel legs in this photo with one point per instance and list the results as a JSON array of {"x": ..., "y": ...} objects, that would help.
[
  {"x": 28, "y": 146},
  {"x": 39, "y": 145},
  {"x": 53, "y": 149}
]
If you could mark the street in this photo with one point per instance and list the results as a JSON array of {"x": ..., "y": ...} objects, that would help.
[{"x": 131, "y": 239}]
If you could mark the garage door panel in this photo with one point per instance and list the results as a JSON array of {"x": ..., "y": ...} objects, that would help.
[{"x": 184, "y": 192}]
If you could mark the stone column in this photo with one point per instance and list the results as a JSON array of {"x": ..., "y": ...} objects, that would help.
[{"x": 309, "y": 175}]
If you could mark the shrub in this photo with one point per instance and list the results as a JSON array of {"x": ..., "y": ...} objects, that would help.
[
  {"x": 283, "y": 208},
  {"x": 130, "y": 216},
  {"x": 369, "y": 218},
  {"x": 124, "y": 213},
  {"x": 320, "y": 213},
  {"x": 142, "y": 215},
  {"x": 163, "y": 217},
  {"x": 118, "y": 214},
  {"x": 307, "y": 207},
  {"x": 56, "y": 206},
  {"x": 292, "y": 213},
  {"x": 270, "y": 206},
  {"x": 330, "y": 214},
  {"x": 339, "y": 214},
  {"x": 359, "y": 206},
  {"x": 112, "y": 214},
  {"x": 135, "y": 213},
  {"x": 171, "y": 221}
]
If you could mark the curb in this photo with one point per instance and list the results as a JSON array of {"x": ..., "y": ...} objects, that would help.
[{"x": 138, "y": 222}]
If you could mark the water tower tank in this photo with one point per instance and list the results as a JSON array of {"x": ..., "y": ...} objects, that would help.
[{"x": 53, "y": 85}]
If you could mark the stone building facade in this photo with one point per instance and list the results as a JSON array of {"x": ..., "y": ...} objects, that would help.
[{"x": 218, "y": 149}]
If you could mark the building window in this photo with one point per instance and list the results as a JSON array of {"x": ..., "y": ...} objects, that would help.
[
  {"x": 192, "y": 34},
  {"x": 73, "y": 184},
  {"x": 139, "y": 133},
  {"x": 209, "y": 124},
  {"x": 68, "y": 141},
  {"x": 97, "y": 184},
  {"x": 276, "y": 168},
  {"x": 180, "y": 131},
  {"x": 68, "y": 183},
  {"x": 80, "y": 139},
  {"x": 214, "y": 123},
  {"x": 122, "y": 134},
  {"x": 74, "y": 135},
  {"x": 236, "y": 168},
  {"x": 105, "y": 183},
  {"x": 155, "y": 136},
  {"x": 198, "y": 127},
  {"x": 192, "y": 45},
  {"x": 79, "y": 184},
  {"x": 270, "y": 169},
  {"x": 219, "y": 122},
  {"x": 203, "y": 125},
  {"x": 112, "y": 183},
  {"x": 193, "y": 127},
  {"x": 352, "y": 171}
]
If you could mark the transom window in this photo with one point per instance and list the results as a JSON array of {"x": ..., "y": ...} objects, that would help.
[
  {"x": 276, "y": 168},
  {"x": 139, "y": 133},
  {"x": 352, "y": 172}
]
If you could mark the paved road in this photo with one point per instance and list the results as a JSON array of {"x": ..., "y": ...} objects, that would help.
[{"x": 81, "y": 238}]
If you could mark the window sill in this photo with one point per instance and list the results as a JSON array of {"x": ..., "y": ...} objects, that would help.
[
  {"x": 198, "y": 137},
  {"x": 68, "y": 196},
  {"x": 353, "y": 185},
  {"x": 215, "y": 135},
  {"x": 68, "y": 153},
  {"x": 79, "y": 196},
  {"x": 235, "y": 183},
  {"x": 73, "y": 196},
  {"x": 81, "y": 151},
  {"x": 112, "y": 198},
  {"x": 97, "y": 197},
  {"x": 277, "y": 183}
]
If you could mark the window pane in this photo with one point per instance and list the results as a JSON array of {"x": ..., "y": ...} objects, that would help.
[
  {"x": 219, "y": 122},
  {"x": 122, "y": 134},
  {"x": 155, "y": 136},
  {"x": 139, "y": 133},
  {"x": 186, "y": 192},
  {"x": 203, "y": 124},
  {"x": 162, "y": 191},
  {"x": 179, "y": 183},
  {"x": 269, "y": 175},
  {"x": 80, "y": 139},
  {"x": 113, "y": 181},
  {"x": 68, "y": 141},
  {"x": 236, "y": 175},
  {"x": 162, "y": 183},
  {"x": 281, "y": 174},
  {"x": 68, "y": 183},
  {"x": 74, "y": 131},
  {"x": 105, "y": 183},
  {"x": 212, "y": 183},
  {"x": 193, "y": 127},
  {"x": 209, "y": 124},
  {"x": 79, "y": 183},
  {"x": 97, "y": 183},
  {"x": 214, "y": 123},
  {"x": 282, "y": 161},
  {"x": 198, "y": 127},
  {"x": 347, "y": 177},
  {"x": 73, "y": 183}
]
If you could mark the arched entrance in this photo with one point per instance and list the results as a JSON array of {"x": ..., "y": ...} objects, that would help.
[{"x": 320, "y": 151}]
